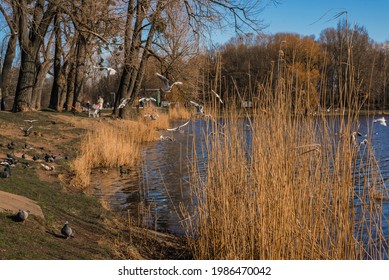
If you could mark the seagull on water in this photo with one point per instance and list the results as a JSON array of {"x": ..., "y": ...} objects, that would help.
[
  {"x": 166, "y": 87},
  {"x": 354, "y": 135},
  {"x": 67, "y": 230},
  {"x": 381, "y": 121},
  {"x": 178, "y": 128},
  {"x": 218, "y": 96}
]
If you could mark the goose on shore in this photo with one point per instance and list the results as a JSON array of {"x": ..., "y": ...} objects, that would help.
[
  {"x": 166, "y": 87},
  {"x": 67, "y": 230}
]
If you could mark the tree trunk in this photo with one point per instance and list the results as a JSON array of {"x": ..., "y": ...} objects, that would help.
[
  {"x": 54, "y": 97},
  {"x": 38, "y": 86},
  {"x": 70, "y": 86},
  {"x": 31, "y": 38},
  {"x": 7, "y": 70},
  {"x": 80, "y": 71},
  {"x": 26, "y": 81}
]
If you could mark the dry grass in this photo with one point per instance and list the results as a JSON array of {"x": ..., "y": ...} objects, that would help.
[
  {"x": 113, "y": 143},
  {"x": 109, "y": 145},
  {"x": 292, "y": 195},
  {"x": 179, "y": 113},
  {"x": 299, "y": 190}
]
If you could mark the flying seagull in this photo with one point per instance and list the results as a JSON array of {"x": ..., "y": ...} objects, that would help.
[
  {"x": 199, "y": 108},
  {"x": 123, "y": 103},
  {"x": 22, "y": 215},
  {"x": 26, "y": 130},
  {"x": 166, "y": 87},
  {"x": 381, "y": 121},
  {"x": 30, "y": 121},
  {"x": 110, "y": 71},
  {"x": 217, "y": 95},
  {"x": 147, "y": 99},
  {"x": 67, "y": 230},
  {"x": 166, "y": 138},
  {"x": 178, "y": 128}
]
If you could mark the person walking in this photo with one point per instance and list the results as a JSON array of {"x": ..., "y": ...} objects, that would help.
[{"x": 100, "y": 101}]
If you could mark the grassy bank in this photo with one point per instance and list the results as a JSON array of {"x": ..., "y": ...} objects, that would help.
[{"x": 99, "y": 233}]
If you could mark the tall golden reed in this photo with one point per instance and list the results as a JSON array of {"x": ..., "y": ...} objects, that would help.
[{"x": 299, "y": 190}]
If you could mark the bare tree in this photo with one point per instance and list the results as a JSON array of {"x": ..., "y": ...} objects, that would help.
[
  {"x": 151, "y": 16},
  {"x": 9, "y": 55},
  {"x": 31, "y": 32}
]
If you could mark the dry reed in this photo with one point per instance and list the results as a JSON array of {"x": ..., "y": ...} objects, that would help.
[
  {"x": 109, "y": 145},
  {"x": 299, "y": 190}
]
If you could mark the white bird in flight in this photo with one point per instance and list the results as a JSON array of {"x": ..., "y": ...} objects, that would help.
[
  {"x": 166, "y": 87},
  {"x": 30, "y": 121},
  {"x": 381, "y": 121},
  {"x": 123, "y": 103},
  {"x": 178, "y": 128},
  {"x": 110, "y": 70},
  {"x": 199, "y": 108},
  {"x": 217, "y": 95},
  {"x": 147, "y": 99}
]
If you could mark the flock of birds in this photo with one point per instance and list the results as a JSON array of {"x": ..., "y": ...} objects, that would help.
[
  {"x": 166, "y": 88},
  {"x": 45, "y": 159}
]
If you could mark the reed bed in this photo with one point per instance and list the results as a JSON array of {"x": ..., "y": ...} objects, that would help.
[
  {"x": 297, "y": 191},
  {"x": 285, "y": 181},
  {"x": 108, "y": 145}
]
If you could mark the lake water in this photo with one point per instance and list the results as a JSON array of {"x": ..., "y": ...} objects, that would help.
[{"x": 153, "y": 193}]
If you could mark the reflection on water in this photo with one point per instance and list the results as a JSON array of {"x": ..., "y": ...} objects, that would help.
[{"x": 155, "y": 191}]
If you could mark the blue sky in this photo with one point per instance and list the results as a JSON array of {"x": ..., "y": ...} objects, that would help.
[{"x": 310, "y": 17}]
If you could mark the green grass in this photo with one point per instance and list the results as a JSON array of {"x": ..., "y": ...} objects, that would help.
[{"x": 40, "y": 239}]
